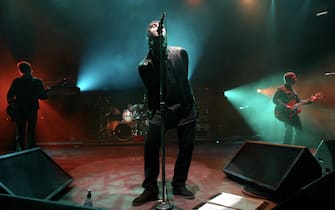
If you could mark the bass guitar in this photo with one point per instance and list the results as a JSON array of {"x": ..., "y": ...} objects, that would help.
[
  {"x": 11, "y": 109},
  {"x": 286, "y": 114}
]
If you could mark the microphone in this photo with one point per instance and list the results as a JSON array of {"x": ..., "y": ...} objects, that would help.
[
  {"x": 160, "y": 25},
  {"x": 329, "y": 74},
  {"x": 161, "y": 22}
]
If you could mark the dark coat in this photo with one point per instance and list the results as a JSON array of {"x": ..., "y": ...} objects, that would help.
[{"x": 179, "y": 95}]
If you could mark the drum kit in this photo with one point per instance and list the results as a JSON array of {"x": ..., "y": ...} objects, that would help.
[{"x": 133, "y": 121}]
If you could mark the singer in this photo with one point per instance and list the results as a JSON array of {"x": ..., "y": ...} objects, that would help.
[
  {"x": 23, "y": 98},
  {"x": 181, "y": 112}
]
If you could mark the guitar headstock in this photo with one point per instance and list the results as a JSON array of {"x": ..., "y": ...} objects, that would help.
[{"x": 316, "y": 96}]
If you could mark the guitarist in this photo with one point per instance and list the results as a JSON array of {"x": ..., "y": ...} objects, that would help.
[
  {"x": 286, "y": 100},
  {"x": 23, "y": 102}
]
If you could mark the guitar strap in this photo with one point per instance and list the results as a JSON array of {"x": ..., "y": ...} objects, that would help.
[
  {"x": 291, "y": 93},
  {"x": 285, "y": 90}
]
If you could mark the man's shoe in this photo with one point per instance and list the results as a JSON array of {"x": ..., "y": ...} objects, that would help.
[
  {"x": 145, "y": 197},
  {"x": 182, "y": 191}
]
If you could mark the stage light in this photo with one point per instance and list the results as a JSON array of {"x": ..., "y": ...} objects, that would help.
[
  {"x": 243, "y": 107},
  {"x": 108, "y": 66},
  {"x": 248, "y": 1},
  {"x": 254, "y": 103},
  {"x": 89, "y": 80},
  {"x": 103, "y": 69},
  {"x": 194, "y": 2}
]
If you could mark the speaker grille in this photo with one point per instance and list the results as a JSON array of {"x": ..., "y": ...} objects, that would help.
[
  {"x": 9, "y": 202},
  {"x": 275, "y": 167},
  {"x": 32, "y": 173},
  {"x": 325, "y": 154}
]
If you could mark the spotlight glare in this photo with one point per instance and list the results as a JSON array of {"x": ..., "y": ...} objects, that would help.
[{"x": 321, "y": 13}]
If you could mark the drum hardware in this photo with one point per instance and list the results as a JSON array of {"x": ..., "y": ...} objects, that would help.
[
  {"x": 112, "y": 125},
  {"x": 133, "y": 122},
  {"x": 137, "y": 107},
  {"x": 127, "y": 116},
  {"x": 114, "y": 111}
]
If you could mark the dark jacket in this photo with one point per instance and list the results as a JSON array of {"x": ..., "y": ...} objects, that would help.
[
  {"x": 285, "y": 95},
  {"x": 25, "y": 92},
  {"x": 179, "y": 96}
]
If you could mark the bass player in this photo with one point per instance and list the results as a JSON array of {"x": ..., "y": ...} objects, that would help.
[{"x": 286, "y": 102}]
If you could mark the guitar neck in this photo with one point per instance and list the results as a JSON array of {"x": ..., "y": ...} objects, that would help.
[
  {"x": 303, "y": 102},
  {"x": 308, "y": 100}
]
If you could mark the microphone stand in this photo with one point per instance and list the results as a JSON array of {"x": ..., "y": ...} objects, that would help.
[{"x": 164, "y": 203}]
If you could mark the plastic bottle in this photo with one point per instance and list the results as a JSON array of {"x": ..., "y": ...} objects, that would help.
[{"x": 88, "y": 200}]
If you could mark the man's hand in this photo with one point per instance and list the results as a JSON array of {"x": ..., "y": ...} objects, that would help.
[
  {"x": 291, "y": 107},
  {"x": 315, "y": 97}
]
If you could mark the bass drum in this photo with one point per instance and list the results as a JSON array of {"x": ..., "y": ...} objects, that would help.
[{"x": 123, "y": 132}]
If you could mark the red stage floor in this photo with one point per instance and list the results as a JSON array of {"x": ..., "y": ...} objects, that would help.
[{"x": 115, "y": 173}]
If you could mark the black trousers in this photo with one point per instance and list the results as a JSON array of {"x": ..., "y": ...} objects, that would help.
[
  {"x": 26, "y": 124},
  {"x": 294, "y": 125},
  {"x": 186, "y": 135}
]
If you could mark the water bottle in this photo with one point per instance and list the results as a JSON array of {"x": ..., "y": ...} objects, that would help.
[{"x": 88, "y": 200}]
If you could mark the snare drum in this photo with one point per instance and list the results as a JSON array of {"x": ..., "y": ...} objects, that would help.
[{"x": 127, "y": 116}]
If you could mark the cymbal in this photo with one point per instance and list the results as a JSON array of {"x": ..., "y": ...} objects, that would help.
[
  {"x": 107, "y": 114},
  {"x": 115, "y": 111},
  {"x": 137, "y": 106}
]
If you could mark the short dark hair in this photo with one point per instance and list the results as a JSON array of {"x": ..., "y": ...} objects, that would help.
[
  {"x": 151, "y": 37},
  {"x": 288, "y": 75},
  {"x": 24, "y": 67},
  {"x": 148, "y": 33}
]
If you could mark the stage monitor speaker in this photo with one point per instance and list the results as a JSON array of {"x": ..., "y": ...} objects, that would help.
[
  {"x": 10, "y": 202},
  {"x": 325, "y": 155},
  {"x": 316, "y": 195},
  {"x": 32, "y": 173},
  {"x": 273, "y": 171}
]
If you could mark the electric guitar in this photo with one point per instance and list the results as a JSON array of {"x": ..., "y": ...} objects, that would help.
[
  {"x": 286, "y": 114},
  {"x": 11, "y": 109}
]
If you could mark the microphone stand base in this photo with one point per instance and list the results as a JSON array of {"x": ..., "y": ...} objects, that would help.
[{"x": 160, "y": 205}]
